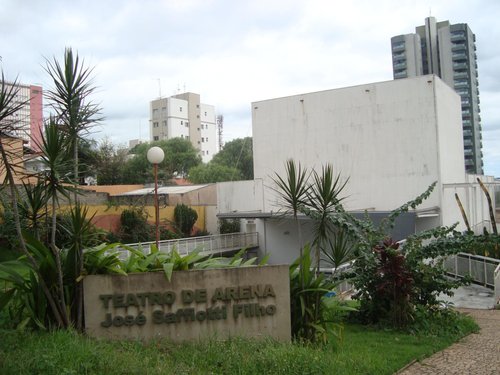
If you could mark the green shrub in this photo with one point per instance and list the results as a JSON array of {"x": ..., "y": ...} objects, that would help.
[
  {"x": 313, "y": 307},
  {"x": 229, "y": 226},
  {"x": 185, "y": 217},
  {"x": 134, "y": 226}
]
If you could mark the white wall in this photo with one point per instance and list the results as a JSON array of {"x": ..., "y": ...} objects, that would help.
[
  {"x": 240, "y": 196},
  {"x": 208, "y": 132},
  {"x": 382, "y": 136}
]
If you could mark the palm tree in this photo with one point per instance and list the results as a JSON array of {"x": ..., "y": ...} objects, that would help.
[
  {"x": 55, "y": 157},
  {"x": 10, "y": 105},
  {"x": 70, "y": 100},
  {"x": 323, "y": 197},
  {"x": 293, "y": 190}
]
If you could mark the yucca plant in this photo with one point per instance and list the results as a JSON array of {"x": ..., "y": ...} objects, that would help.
[
  {"x": 323, "y": 197},
  {"x": 308, "y": 300},
  {"x": 9, "y": 105},
  {"x": 70, "y": 100}
]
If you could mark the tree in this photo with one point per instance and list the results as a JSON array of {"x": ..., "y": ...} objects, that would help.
[
  {"x": 70, "y": 100},
  {"x": 8, "y": 107},
  {"x": 110, "y": 163},
  {"x": 237, "y": 154},
  {"x": 210, "y": 172},
  {"x": 185, "y": 218},
  {"x": 180, "y": 157}
]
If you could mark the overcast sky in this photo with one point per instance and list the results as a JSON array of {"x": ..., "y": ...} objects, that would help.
[{"x": 234, "y": 52}]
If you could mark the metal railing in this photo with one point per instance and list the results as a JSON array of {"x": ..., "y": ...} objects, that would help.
[
  {"x": 481, "y": 269},
  {"x": 497, "y": 285},
  {"x": 214, "y": 244}
]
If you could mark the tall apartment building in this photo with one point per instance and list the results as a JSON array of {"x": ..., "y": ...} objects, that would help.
[
  {"x": 184, "y": 116},
  {"x": 28, "y": 120},
  {"x": 448, "y": 51}
]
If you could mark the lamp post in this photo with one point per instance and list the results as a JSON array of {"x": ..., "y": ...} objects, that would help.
[{"x": 155, "y": 156}]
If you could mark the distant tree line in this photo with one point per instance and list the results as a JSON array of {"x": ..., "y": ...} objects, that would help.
[{"x": 114, "y": 165}]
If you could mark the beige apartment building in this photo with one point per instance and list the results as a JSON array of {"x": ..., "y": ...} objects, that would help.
[{"x": 184, "y": 116}]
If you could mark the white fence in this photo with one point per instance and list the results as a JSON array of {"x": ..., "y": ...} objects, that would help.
[
  {"x": 480, "y": 268},
  {"x": 215, "y": 244}
]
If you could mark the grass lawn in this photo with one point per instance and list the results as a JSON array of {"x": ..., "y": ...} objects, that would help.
[{"x": 362, "y": 351}]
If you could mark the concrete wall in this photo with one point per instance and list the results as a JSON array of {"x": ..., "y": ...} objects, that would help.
[
  {"x": 194, "y": 305},
  {"x": 108, "y": 217},
  {"x": 211, "y": 221},
  {"x": 244, "y": 196},
  {"x": 382, "y": 136}
]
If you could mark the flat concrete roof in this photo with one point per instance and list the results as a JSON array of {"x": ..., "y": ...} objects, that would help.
[{"x": 165, "y": 190}]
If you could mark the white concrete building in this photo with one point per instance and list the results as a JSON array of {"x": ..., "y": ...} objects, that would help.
[
  {"x": 391, "y": 139},
  {"x": 183, "y": 116}
]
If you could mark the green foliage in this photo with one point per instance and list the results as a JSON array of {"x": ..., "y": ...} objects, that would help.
[
  {"x": 69, "y": 99},
  {"x": 134, "y": 226},
  {"x": 486, "y": 244},
  {"x": 229, "y": 226},
  {"x": 415, "y": 276},
  {"x": 386, "y": 292},
  {"x": 364, "y": 350},
  {"x": 237, "y": 154},
  {"x": 180, "y": 157},
  {"x": 184, "y": 218},
  {"x": 310, "y": 306},
  {"x": 211, "y": 172},
  {"x": 110, "y": 163}
]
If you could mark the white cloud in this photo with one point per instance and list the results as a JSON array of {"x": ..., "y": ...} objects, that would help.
[{"x": 233, "y": 53}]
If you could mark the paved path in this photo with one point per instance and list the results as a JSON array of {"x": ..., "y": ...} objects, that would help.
[{"x": 476, "y": 354}]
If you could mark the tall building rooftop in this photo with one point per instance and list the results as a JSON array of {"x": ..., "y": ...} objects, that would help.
[{"x": 448, "y": 51}]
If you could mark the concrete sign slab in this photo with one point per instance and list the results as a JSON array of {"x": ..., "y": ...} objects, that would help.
[{"x": 196, "y": 304}]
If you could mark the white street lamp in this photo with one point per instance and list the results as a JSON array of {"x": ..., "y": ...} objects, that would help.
[{"x": 155, "y": 156}]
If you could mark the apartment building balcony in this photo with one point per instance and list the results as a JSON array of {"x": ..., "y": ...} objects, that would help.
[
  {"x": 461, "y": 84},
  {"x": 461, "y": 75},
  {"x": 399, "y": 55},
  {"x": 458, "y": 37},
  {"x": 400, "y": 74},
  {"x": 458, "y": 47},
  {"x": 399, "y": 47},
  {"x": 459, "y": 56},
  {"x": 459, "y": 66}
]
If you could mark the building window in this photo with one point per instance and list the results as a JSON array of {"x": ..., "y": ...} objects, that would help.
[
  {"x": 205, "y": 113},
  {"x": 180, "y": 109},
  {"x": 155, "y": 124},
  {"x": 182, "y": 122},
  {"x": 164, "y": 123},
  {"x": 155, "y": 138},
  {"x": 206, "y": 139},
  {"x": 203, "y": 139},
  {"x": 182, "y": 136}
]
